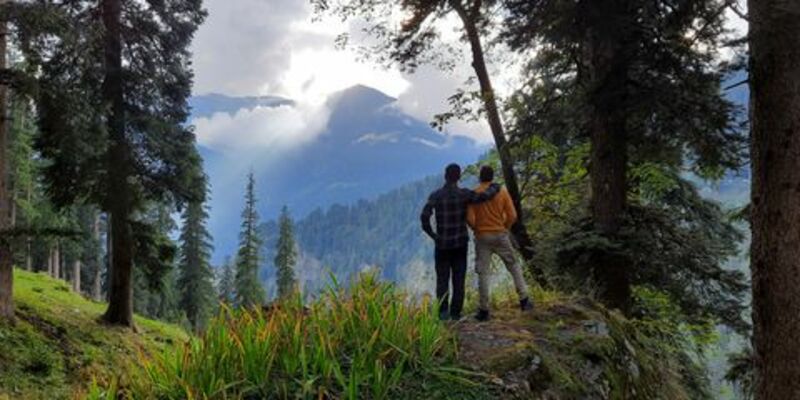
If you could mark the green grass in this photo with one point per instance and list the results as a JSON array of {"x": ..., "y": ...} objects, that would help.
[
  {"x": 366, "y": 342},
  {"x": 57, "y": 346}
]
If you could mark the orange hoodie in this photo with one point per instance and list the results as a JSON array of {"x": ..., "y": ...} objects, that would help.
[{"x": 494, "y": 216}]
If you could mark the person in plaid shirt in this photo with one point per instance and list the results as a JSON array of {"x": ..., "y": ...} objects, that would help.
[{"x": 449, "y": 204}]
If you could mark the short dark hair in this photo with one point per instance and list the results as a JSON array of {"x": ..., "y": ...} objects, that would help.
[
  {"x": 452, "y": 173},
  {"x": 486, "y": 174}
]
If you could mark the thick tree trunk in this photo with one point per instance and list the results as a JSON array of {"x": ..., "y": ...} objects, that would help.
[
  {"x": 76, "y": 276},
  {"x": 120, "y": 299},
  {"x": 608, "y": 203},
  {"x": 97, "y": 287},
  {"x": 6, "y": 256},
  {"x": 496, "y": 126},
  {"x": 775, "y": 151},
  {"x": 604, "y": 66}
]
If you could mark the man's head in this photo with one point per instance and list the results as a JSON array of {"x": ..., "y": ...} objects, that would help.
[
  {"x": 452, "y": 173},
  {"x": 486, "y": 174}
]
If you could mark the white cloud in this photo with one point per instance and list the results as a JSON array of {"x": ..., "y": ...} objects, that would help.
[
  {"x": 260, "y": 128},
  {"x": 372, "y": 138}
]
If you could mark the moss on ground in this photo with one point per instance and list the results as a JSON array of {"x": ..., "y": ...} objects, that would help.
[
  {"x": 58, "y": 346},
  {"x": 567, "y": 348}
]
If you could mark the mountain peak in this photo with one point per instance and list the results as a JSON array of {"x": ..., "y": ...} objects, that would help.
[{"x": 360, "y": 97}]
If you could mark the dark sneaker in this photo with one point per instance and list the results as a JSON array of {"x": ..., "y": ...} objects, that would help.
[
  {"x": 444, "y": 315},
  {"x": 525, "y": 304},
  {"x": 455, "y": 317},
  {"x": 482, "y": 316}
]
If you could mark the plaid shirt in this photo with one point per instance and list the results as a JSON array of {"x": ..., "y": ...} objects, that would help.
[{"x": 450, "y": 206}]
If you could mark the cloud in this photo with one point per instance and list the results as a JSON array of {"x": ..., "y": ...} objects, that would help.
[
  {"x": 272, "y": 47},
  {"x": 373, "y": 138},
  {"x": 262, "y": 128}
]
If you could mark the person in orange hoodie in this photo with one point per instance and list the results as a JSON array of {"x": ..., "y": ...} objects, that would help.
[{"x": 491, "y": 222}]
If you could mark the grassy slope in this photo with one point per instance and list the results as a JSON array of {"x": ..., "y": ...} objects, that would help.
[{"x": 57, "y": 344}]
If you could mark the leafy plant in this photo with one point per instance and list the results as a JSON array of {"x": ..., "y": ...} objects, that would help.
[{"x": 357, "y": 343}]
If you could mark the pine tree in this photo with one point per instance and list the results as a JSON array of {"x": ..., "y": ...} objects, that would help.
[
  {"x": 112, "y": 108},
  {"x": 226, "y": 282},
  {"x": 775, "y": 253},
  {"x": 646, "y": 87},
  {"x": 286, "y": 255},
  {"x": 195, "y": 279},
  {"x": 249, "y": 291},
  {"x": 6, "y": 256}
]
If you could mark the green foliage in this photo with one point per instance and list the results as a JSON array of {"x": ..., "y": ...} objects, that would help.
[
  {"x": 675, "y": 109},
  {"x": 741, "y": 372},
  {"x": 226, "y": 282},
  {"x": 286, "y": 255},
  {"x": 194, "y": 282},
  {"x": 363, "y": 343},
  {"x": 692, "y": 238},
  {"x": 58, "y": 346},
  {"x": 249, "y": 291},
  {"x": 383, "y": 232}
]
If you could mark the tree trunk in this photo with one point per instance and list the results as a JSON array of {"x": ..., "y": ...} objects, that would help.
[
  {"x": 608, "y": 203},
  {"x": 57, "y": 261},
  {"x": 109, "y": 253},
  {"x": 76, "y": 276},
  {"x": 28, "y": 238},
  {"x": 775, "y": 151},
  {"x": 120, "y": 298},
  {"x": 6, "y": 256},
  {"x": 97, "y": 287},
  {"x": 50, "y": 261},
  {"x": 603, "y": 71},
  {"x": 496, "y": 125}
]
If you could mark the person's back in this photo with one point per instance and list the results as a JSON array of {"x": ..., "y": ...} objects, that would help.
[
  {"x": 494, "y": 216},
  {"x": 491, "y": 222},
  {"x": 449, "y": 205}
]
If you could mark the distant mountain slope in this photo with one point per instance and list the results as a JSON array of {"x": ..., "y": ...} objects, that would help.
[
  {"x": 383, "y": 233},
  {"x": 367, "y": 147}
]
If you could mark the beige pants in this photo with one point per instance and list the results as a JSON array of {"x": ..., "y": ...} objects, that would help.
[{"x": 500, "y": 244}]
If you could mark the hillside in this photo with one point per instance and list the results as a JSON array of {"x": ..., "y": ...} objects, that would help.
[
  {"x": 361, "y": 146},
  {"x": 372, "y": 341},
  {"x": 57, "y": 346},
  {"x": 382, "y": 233}
]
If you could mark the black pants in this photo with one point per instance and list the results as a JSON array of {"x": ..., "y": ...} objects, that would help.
[{"x": 451, "y": 264}]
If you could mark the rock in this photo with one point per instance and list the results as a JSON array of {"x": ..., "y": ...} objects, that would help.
[{"x": 596, "y": 327}]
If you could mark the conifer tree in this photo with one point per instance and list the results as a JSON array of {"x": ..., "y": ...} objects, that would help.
[
  {"x": 6, "y": 256},
  {"x": 195, "y": 275},
  {"x": 645, "y": 82},
  {"x": 249, "y": 291},
  {"x": 226, "y": 282},
  {"x": 775, "y": 252},
  {"x": 286, "y": 255},
  {"x": 114, "y": 77}
]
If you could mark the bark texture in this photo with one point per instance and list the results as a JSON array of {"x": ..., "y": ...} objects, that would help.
[
  {"x": 76, "y": 276},
  {"x": 120, "y": 298},
  {"x": 6, "y": 256},
  {"x": 97, "y": 284},
  {"x": 518, "y": 230},
  {"x": 604, "y": 64},
  {"x": 775, "y": 253}
]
